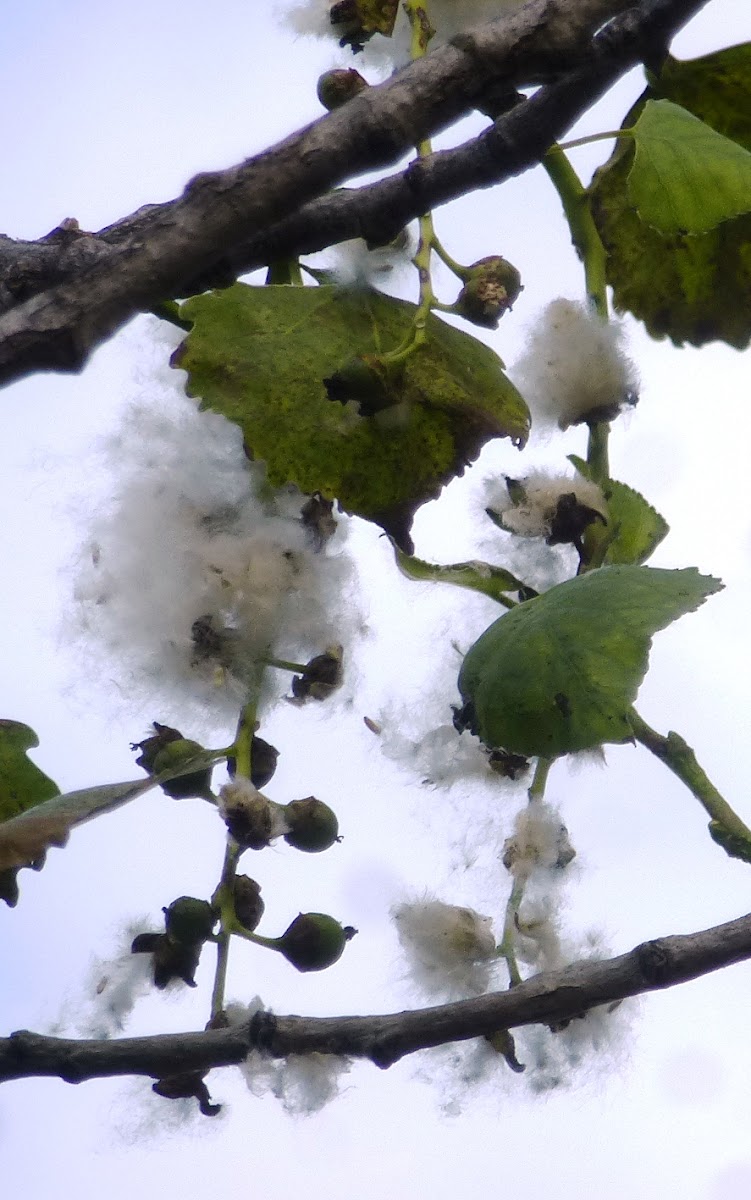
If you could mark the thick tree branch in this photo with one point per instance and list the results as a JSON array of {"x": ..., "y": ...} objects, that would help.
[
  {"x": 545, "y": 999},
  {"x": 186, "y": 239},
  {"x": 515, "y": 142}
]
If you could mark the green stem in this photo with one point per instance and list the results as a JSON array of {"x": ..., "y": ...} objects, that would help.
[
  {"x": 421, "y": 29},
  {"x": 584, "y": 235},
  {"x": 681, "y": 760},
  {"x": 421, "y": 33},
  {"x": 286, "y": 272},
  {"x": 283, "y": 664},
  {"x": 608, "y": 135},
  {"x": 598, "y": 458},
  {"x": 257, "y": 938},
  {"x": 246, "y": 727},
  {"x": 454, "y": 266},
  {"x": 506, "y": 949},
  {"x": 223, "y": 898},
  {"x": 539, "y": 779}
]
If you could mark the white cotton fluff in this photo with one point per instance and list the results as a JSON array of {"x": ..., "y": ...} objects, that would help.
[
  {"x": 540, "y": 842},
  {"x": 588, "y": 1046},
  {"x": 537, "y": 936},
  {"x": 582, "y": 1054},
  {"x": 355, "y": 265},
  {"x": 530, "y": 560},
  {"x": 194, "y": 566},
  {"x": 303, "y": 1083},
  {"x": 533, "y": 516},
  {"x": 574, "y": 365},
  {"x": 111, "y": 991},
  {"x": 442, "y": 756},
  {"x": 240, "y": 801},
  {"x": 448, "y": 18},
  {"x": 450, "y": 949}
]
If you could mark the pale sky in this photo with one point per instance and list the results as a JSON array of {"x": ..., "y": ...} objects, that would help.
[{"x": 119, "y": 109}]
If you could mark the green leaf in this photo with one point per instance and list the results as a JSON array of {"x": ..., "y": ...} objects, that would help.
[
  {"x": 689, "y": 287},
  {"x": 560, "y": 673},
  {"x": 634, "y": 529},
  {"x": 685, "y": 177},
  {"x": 26, "y": 838},
  {"x": 22, "y": 784},
  {"x": 260, "y": 356},
  {"x": 477, "y": 576}
]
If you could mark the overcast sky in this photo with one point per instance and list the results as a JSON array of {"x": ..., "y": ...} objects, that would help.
[{"x": 119, "y": 108}]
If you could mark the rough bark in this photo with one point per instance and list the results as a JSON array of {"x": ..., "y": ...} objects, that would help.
[
  {"x": 64, "y": 295},
  {"x": 547, "y": 999}
]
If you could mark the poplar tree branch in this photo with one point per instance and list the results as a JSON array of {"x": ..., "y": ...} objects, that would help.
[
  {"x": 66, "y": 294},
  {"x": 515, "y": 142},
  {"x": 549, "y": 998}
]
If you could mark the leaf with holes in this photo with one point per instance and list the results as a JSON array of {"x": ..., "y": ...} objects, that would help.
[{"x": 263, "y": 356}]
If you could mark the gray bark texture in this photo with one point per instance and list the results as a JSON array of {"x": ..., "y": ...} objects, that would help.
[
  {"x": 549, "y": 999},
  {"x": 63, "y": 295}
]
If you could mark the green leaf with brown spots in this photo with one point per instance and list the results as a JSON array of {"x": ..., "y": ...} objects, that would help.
[
  {"x": 356, "y": 21},
  {"x": 264, "y": 357}
]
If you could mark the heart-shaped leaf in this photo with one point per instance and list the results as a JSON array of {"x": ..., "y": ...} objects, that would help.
[
  {"x": 686, "y": 178},
  {"x": 560, "y": 672},
  {"x": 689, "y": 287}
]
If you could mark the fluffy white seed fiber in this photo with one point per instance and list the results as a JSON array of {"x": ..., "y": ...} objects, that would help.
[
  {"x": 539, "y": 842},
  {"x": 192, "y": 534},
  {"x": 448, "y": 17},
  {"x": 111, "y": 991},
  {"x": 240, "y": 799},
  {"x": 441, "y": 755},
  {"x": 303, "y": 1083},
  {"x": 573, "y": 364},
  {"x": 449, "y": 948},
  {"x": 534, "y": 515}
]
